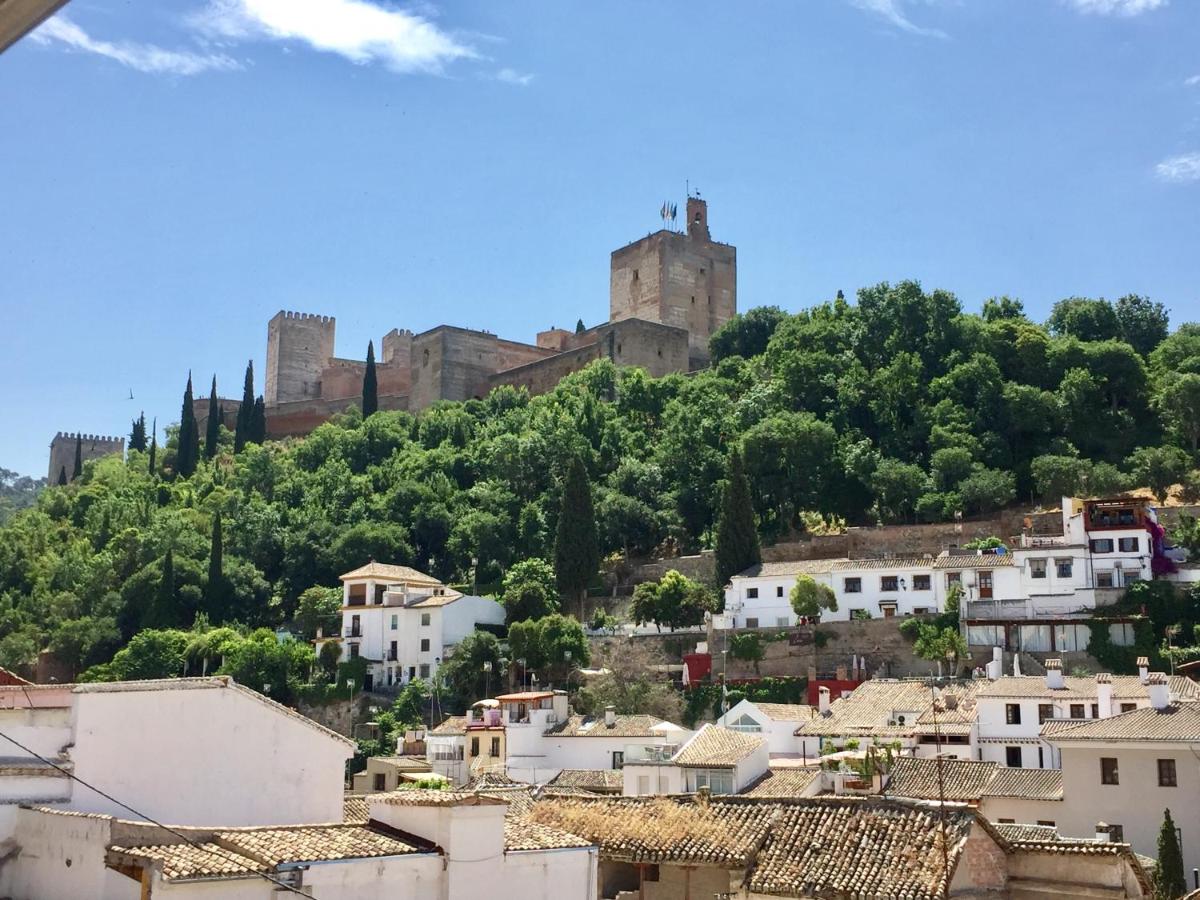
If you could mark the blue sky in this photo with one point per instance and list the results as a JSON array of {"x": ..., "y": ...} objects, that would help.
[{"x": 174, "y": 173}]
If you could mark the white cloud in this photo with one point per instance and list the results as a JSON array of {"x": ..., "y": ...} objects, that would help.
[
  {"x": 1185, "y": 167},
  {"x": 892, "y": 11},
  {"x": 1116, "y": 7},
  {"x": 142, "y": 57},
  {"x": 1194, "y": 81},
  {"x": 512, "y": 76},
  {"x": 361, "y": 31}
]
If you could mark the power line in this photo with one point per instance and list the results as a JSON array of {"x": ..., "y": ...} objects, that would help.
[{"x": 228, "y": 857}]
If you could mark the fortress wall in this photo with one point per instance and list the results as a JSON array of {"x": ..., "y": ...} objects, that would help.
[
  {"x": 658, "y": 349},
  {"x": 299, "y": 348},
  {"x": 302, "y": 417},
  {"x": 635, "y": 282},
  {"x": 93, "y": 446},
  {"x": 229, "y": 413},
  {"x": 541, "y": 376}
]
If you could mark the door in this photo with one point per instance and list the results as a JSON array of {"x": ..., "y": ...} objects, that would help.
[
  {"x": 368, "y": 682},
  {"x": 889, "y": 612},
  {"x": 985, "y": 585}
]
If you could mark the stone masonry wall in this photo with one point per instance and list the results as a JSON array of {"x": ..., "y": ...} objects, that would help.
[
  {"x": 299, "y": 347},
  {"x": 94, "y": 446}
]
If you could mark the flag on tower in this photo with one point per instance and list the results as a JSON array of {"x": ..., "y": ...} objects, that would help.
[{"x": 674, "y": 209}]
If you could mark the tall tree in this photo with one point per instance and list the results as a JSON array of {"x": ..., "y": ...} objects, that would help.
[
  {"x": 241, "y": 430},
  {"x": 1169, "y": 880},
  {"x": 737, "y": 540},
  {"x": 370, "y": 392},
  {"x": 62, "y": 476},
  {"x": 576, "y": 546},
  {"x": 212, "y": 431},
  {"x": 187, "y": 454},
  {"x": 258, "y": 422},
  {"x": 216, "y": 589},
  {"x": 1143, "y": 323},
  {"x": 153, "y": 447},
  {"x": 164, "y": 600},
  {"x": 137, "y": 436},
  {"x": 78, "y": 471}
]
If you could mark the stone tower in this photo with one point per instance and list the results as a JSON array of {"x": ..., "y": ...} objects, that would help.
[
  {"x": 299, "y": 347},
  {"x": 93, "y": 446},
  {"x": 686, "y": 280}
]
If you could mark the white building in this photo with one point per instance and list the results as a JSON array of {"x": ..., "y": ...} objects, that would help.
[
  {"x": 777, "y": 722},
  {"x": 715, "y": 758},
  {"x": 142, "y": 742},
  {"x": 404, "y": 622}
]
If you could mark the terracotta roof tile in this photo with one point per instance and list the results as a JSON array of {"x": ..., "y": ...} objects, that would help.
[
  {"x": 1124, "y": 687},
  {"x": 426, "y": 797},
  {"x": 789, "y": 568},
  {"x": 522, "y": 834},
  {"x": 1178, "y": 722},
  {"x": 962, "y": 780},
  {"x": 1018, "y": 832},
  {"x": 875, "y": 707},
  {"x": 788, "y": 782},
  {"x": 384, "y": 572},
  {"x": 785, "y": 712},
  {"x": 1027, "y": 784},
  {"x": 355, "y": 809},
  {"x": 452, "y": 725},
  {"x": 598, "y": 780},
  {"x": 715, "y": 746},
  {"x": 192, "y": 861},
  {"x": 910, "y": 562},
  {"x": 974, "y": 561},
  {"x": 316, "y": 843},
  {"x": 624, "y": 726}
]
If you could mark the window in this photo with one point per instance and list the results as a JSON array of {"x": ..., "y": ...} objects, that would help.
[
  {"x": 1121, "y": 634},
  {"x": 889, "y": 584},
  {"x": 1166, "y": 773},
  {"x": 752, "y": 622},
  {"x": 1012, "y": 713},
  {"x": 953, "y": 578},
  {"x": 1012, "y": 757},
  {"x": 1047, "y": 823},
  {"x": 1037, "y": 568},
  {"x": 1108, "y": 770},
  {"x": 475, "y": 746},
  {"x": 1063, "y": 568},
  {"x": 618, "y": 759},
  {"x": 1077, "y": 711},
  {"x": 1095, "y": 710},
  {"x": 424, "y": 619},
  {"x": 494, "y": 750},
  {"x": 1041, "y": 757},
  {"x": 1070, "y": 638},
  {"x": 751, "y": 593},
  {"x": 1045, "y": 711},
  {"x": 1006, "y": 821},
  {"x": 985, "y": 585},
  {"x": 395, "y": 622},
  {"x": 354, "y": 651},
  {"x": 355, "y": 626},
  {"x": 1102, "y": 545},
  {"x": 379, "y": 590},
  {"x": 1128, "y": 707},
  {"x": 380, "y": 781},
  {"x": 718, "y": 781},
  {"x": 921, "y": 582},
  {"x": 920, "y": 610},
  {"x": 424, "y": 645},
  {"x": 1116, "y": 833},
  {"x": 853, "y": 585},
  {"x": 1104, "y": 579},
  {"x": 424, "y": 670},
  {"x": 782, "y": 622},
  {"x": 392, "y": 652},
  {"x": 1128, "y": 545},
  {"x": 745, "y": 723},
  {"x": 635, "y": 274}
]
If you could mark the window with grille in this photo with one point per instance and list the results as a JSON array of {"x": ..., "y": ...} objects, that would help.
[
  {"x": 1108, "y": 770},
  {"x": 1166, "y": 773}
]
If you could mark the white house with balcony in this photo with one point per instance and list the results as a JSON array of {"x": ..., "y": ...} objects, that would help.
[
  {"x": 718, "y": 759},
  {"x": 404, "y": 622},
  {"x": 777, "y": 722}
]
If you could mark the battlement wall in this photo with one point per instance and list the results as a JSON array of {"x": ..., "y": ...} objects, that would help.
[
  {"x": 92, "y": 446},
  {"x": 299, "y": 348}
]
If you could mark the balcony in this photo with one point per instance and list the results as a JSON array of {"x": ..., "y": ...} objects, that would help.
[
  {"x": 1033, "y": 541},
  {"x": 353, "y": 632},
  {"x": 649, "y": 754}
]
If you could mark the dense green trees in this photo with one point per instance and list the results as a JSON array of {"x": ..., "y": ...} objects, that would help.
[
  {"x": 137, "y": 434},
  {"x": 529, "y": 590},
  {"x": 809, "y": 598},
  {"x": 674, "y": 601}
]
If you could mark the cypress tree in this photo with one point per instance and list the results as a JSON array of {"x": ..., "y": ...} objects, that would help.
[
  {"x": 78, "y": 457},
  {"x": 137, "y": 436},
  {"x": 212, "y": 430},
  {"x": 188, "y": 452},
  {"x": 215, "y": 589},
  {"x": 737, "y": 539},
  {"x": 258, "y": 422},
  {"x": 1169, "y": 880},
  {"x": 370, "y": 393},
  {"x": 62, "y": 476},
  {"x": 579, "y": 326},
  {"x": 241, "y": 428},
  {"x": 153, "y": 447},
  {"x": 164, "y": 601},
  {"x": 576, "y": 545}
]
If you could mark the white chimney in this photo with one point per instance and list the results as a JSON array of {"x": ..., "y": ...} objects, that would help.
[
  {"x": 1101, "y": 832},
  {"x": 610, "y": 716},
  {"x": 1160, "y": 692},
  {"x": 823, "y": 700},
  {"x": 1054, "y": 675},
  {"x": 1104, "y": 705},
  {"x": 995, "y": 668},
  {"x": 1143, "y": 664}
]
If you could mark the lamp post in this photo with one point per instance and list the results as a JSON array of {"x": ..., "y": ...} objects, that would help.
[
  {"x": 521, "y": 663},
  {"x": 487, "y": 678},
  {"x": 474, "y": 574}
]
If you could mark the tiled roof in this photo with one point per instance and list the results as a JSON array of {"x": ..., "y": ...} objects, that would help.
[
  {"x": 1018, "y": 832},
  {"x": 714, "y": 746},
  {"x": 599, "y": 780},
  {"x": 785, "y": 712},
  {"x": 792, "y": 781},
  {"x": 1178, "y": 722},
  {"x": 405, "y": 763},
  {"x": 443, "y": 599},
  {"x": 452, "y": 725},
  {"x": 426, "y": 797},
  {"x": 790, "y": 567},
  {"x": 35, "y": 768},
  {"x": 974, "y": 561},
  {"x": 911, "y": 562},
  {"x": 876, "y": 703},
  {"x": 522, "y": 834},
  {"x": 625, "y": 726},
  {"x": 355, "y": 808},
  {"x": 192, "y": 861},
  {"x": 384, "y": 572},
  {"x": 276, "y": 846},
  {"x": 490, "y": 780},
  {"x": 962, "y": 780},
  {"x": 1027, "y": 784},
  {"x": 1124, "y": 687}
]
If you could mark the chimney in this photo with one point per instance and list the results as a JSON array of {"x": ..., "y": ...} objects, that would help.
[
  {"x": 1143, "y": 664},
  {"x": 1101, "y": 832},
  {"x": 995, "y": 668},
  {"x": 1054, "y": 675},
  {"x": 610, "y": 716},
  {"x": 1104, "y": 695},
  {"x": 823, "y": 700},
  {"x": 841, "y": 673},
  {"x": 1160, "y": 692}
]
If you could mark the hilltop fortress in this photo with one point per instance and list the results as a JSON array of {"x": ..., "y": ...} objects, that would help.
[{"x": 668, "y": 293}]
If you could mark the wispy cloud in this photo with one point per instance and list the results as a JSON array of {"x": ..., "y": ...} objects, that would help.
[
  {"x": 512, "y": 76},
  {"x": 1185, "y": 167},
  {"x": 1116, "y": 7},
  {"x": 361, "y": 31},
  {"x": 142, "y": 57},
  {"x": 1194, "y": 81},
  {"x": 892, "y": 11}
]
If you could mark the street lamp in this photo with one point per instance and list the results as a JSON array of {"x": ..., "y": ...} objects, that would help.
[
  {"x": 487, "y": 678},
  {"x": 521, "y": 663},
  {"x": 474, "y": 574}
]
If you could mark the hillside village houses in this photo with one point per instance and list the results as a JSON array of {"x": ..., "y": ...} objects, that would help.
[{"x": 403, "y": 622}]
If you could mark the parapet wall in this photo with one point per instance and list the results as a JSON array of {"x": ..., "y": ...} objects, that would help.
[
  {"x": 299, "y": 347},
  {"x": 92, "y": 446}
]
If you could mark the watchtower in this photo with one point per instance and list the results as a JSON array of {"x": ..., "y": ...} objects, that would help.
[
  {"x": 299, "y": 347},
  {"x": 91, "y": 446},
  {"x": 684, "y": 279}
]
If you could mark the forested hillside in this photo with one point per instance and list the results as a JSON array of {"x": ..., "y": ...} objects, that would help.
[{"x": 900, "y": 407}]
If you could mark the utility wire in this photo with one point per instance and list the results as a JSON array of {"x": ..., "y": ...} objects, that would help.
[{"x": 228, "y": 857}]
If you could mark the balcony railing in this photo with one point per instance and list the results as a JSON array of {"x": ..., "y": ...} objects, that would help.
[{"x": 353, "y": 632}]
